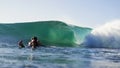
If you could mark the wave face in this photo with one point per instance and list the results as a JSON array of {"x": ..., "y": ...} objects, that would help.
[
  {"x": 48, "y": 32},
  {"x": 106, "y": 36}
]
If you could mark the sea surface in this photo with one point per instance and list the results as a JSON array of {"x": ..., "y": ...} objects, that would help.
[
  {"x": 59, "y": 57},
  {"x": 67, "y": 46}
]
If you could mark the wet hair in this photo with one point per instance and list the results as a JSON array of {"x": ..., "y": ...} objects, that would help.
[{"x": 35, "y": 38}]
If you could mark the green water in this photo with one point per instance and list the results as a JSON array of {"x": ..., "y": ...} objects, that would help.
[
  {"x": 49, "y": 32},
  {"x": 65, "y": 55}
]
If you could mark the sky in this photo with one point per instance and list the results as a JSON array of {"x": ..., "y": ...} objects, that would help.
[{"x": 86, "y": 13}]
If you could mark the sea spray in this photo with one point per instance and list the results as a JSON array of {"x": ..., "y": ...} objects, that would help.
[{"x": 106, "y": 36}]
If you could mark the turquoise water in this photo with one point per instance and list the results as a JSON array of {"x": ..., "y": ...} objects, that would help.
[
  {"x": 48, "y": 32},
  {"x": 67, "y": 46}
]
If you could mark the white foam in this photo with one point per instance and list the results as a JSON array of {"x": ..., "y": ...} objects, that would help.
[{"x": 107, "y": 36}]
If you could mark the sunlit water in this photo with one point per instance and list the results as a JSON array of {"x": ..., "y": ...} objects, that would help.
[{"x": 59, "y": 57}]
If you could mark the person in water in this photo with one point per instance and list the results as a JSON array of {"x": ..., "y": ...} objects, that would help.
[
  {"x": 20, "y": 43},
  {"x": 34, "y": 42}
]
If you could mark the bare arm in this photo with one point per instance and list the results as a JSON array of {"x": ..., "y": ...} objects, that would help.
[{"x": 29, "y": 44}]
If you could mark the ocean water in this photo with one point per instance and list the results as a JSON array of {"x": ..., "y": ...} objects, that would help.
[
  {"x": 59, "y": 57},
  {"x": 67, "y": 46},
  {"x": 48, "y": 32}
]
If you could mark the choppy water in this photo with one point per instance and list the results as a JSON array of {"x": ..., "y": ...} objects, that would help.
[{"x": 59, "y": 57}]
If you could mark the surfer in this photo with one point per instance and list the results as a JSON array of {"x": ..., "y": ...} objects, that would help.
[
  {"x": 34, "y": 43},
  {"x": 20, "y": 43}
]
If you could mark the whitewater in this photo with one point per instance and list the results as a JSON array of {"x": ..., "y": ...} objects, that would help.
[
  {"x": 106, "y": 36},
  {"x": 67, "y": 46}
]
